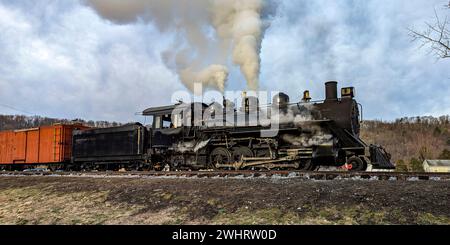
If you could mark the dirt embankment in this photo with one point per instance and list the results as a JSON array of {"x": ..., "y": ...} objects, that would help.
[{"x": 56, "y": 200}]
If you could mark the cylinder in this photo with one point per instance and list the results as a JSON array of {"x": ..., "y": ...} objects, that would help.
[{"x": 331, "y": 91}]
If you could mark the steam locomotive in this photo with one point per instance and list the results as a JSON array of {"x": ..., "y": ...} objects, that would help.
[{"x": 308, "y": 135}]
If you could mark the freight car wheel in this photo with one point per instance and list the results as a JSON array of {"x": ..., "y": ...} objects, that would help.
[
  {"x": 220, "y": 156},
  {"x": 356, "y": 164}
]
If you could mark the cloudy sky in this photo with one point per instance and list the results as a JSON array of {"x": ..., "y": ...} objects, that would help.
[{"x": 61, "y": 59}]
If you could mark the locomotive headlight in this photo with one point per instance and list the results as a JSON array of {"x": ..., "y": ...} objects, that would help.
[{"x": 348, "y": 92}]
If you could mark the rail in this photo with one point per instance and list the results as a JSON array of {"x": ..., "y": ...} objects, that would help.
[{"x": 321, "y": 175}]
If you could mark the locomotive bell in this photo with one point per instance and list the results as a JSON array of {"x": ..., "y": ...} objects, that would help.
[{"x": 306, "y": 96}]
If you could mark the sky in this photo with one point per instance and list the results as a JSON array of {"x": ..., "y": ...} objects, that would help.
[{"x": 61, "y": 59}]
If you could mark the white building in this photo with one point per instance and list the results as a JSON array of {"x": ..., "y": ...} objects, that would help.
[{"x": 437, "y": 166}]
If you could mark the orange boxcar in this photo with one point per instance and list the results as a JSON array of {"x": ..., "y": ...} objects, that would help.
[{"x": 44, "y": 145}]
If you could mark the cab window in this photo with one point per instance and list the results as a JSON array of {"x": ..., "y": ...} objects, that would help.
[
  {"x": 157, "y": 122},
  {"x": 162, "y": 122}
]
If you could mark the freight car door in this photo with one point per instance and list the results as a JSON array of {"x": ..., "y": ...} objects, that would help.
[
  {"x": 57, "y": 144},
  {"x": 33, "y": 146},
  {"x": 67, "y": 143},
  {"x": 20, "y": 145},
  {"x": 6, "y": 147}
]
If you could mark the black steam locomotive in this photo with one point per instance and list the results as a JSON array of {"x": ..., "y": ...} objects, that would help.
[{"x": 308, "y": 135}]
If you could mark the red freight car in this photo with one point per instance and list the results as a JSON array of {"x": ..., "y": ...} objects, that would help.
[{"x": 44, "y": 145}]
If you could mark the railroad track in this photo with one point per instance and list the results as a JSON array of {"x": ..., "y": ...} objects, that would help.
[{"x": 320, "y": 175}]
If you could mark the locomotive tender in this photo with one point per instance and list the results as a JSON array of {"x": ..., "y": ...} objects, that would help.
[{"x": 308, "y": 135}]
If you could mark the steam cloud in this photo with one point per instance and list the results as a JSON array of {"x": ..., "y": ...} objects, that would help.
[
  {"x": 317, "y": 138},
  {"x": 197, "y": 56}
]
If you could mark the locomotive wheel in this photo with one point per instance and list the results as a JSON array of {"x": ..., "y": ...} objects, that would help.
[
  {"x": 241, "y": 152},
  {"x": 220, "y": 156},
  {"x": 356, "y": 164},
  {"x": 306, "y": 165},
  {"x": 177, "y": 162}
]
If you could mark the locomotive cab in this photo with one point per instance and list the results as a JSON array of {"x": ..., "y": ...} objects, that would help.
[
  {"x": 163, "y": 128},
  {"x": 172, "y": 123}
]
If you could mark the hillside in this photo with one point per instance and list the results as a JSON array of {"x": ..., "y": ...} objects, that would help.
[{"x": 411, "y": 140}]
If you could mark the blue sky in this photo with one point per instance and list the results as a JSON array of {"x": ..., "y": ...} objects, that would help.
[{"x": 60, "y": 59}]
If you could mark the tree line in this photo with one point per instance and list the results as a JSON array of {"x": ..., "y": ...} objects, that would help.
[
  {"x": 411, "y": 140},
  {"x": 12, "y": 122}
]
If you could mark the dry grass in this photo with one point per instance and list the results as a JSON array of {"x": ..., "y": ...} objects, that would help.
[
  {"x": 120, "y": 201},
  {"x": 37, "y": 205}
]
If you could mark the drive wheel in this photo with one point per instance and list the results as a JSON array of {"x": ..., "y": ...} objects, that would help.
[
  {"x": 220, "y": 156},
  {"x": 241, "y": 152},
  {"x": 356, "y": 164}
]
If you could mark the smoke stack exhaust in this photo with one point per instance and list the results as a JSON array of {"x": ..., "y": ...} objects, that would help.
[
  {"x": 196, "y": 57},
  {"x": 331, "y": 91}
]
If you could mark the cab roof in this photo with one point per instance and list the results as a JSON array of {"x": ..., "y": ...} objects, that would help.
[
  {"x": 162, "y": 110},
  {"x": 166, "y": 110}
]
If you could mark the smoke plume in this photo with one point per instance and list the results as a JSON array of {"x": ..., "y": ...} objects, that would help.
[
  {"x": 213, "y": 76},
  {"x": 208, "y": 31}
]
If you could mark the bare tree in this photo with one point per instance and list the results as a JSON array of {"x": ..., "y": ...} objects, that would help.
[{"x": 436, "y": 36}]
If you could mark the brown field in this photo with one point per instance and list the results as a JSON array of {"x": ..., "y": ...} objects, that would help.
[{"x": 76, "y": 200}]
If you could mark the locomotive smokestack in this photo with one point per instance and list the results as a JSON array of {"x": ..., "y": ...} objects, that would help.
[{"x": 331, "y": 91}]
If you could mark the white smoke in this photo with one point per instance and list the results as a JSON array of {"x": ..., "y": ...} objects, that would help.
[
  {"x": 316, "y": 138},
  {"x": 312, "y": 134},
  {"x": 213, "y": 76},
  {"x": 200, "y": 145},
  {"x": 238, "y": 27},
  {"x": 240, "y": 21},
  {"x": 183, "y": 147},
  {"x": 289, "y": 117},
  {"x": 190, "y": 146}
]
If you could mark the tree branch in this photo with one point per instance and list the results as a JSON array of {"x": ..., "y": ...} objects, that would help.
[{"x": 437, "y": 36}]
